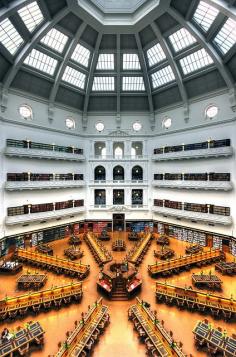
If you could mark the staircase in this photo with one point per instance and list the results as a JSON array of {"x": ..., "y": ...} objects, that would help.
[{"x": 119, "y": 293}]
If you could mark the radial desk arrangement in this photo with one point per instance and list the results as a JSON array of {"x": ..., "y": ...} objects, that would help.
[
  {"x": 137, "y": 253},
  {"x": 158, "y": 340},
  {"x": 98, "y": 250},
  {"x": 18, "y": 306},
  {"x": 174, "y": 266},
  {"x": 81, "y": 341},
  {"x": 219, "y": 306},
  {"x": 59, "y": 265}
]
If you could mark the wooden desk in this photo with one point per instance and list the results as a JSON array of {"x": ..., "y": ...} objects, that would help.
[
  {"x": 164, "y": 253},
  {"x": 34, "y": 281},
  {"x": 22, "y": 340},
  {"x": 136, "y": 254},
  {"x": 73, "y": 253},
  {"x": 75, "y": 240},
  {"x": 193, "y": 249},
  {"x": 59, "y": 265},
  {"x": 78, "y": 339},
  {"x": 206, "y": 280},
  {"x": 133, "y": 236},
  {"x": 162, "y": 341},
  {"x": 196, "y": 300},
  {"x": 11, "y": 267},
  {"x": 216, "y": 340},
  {"x": 163, "y": 240},
  {"x": 104, "y": 235},
  {"x": 44, "y": 249},
  {"x": 17, "y": 306},
  {"x": 174, "y": 266},
  {"x": 226, "y": 268},
  {"x": 98, "y": 250},
  {"x": 119, "y": 245}
]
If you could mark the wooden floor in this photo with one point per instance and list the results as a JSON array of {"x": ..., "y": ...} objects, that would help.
[{"x": 119, "y": 339}]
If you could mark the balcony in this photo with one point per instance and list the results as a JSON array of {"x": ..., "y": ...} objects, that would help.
[
  {"x": 43, "y": 216},
  {"x": 196, "y": 185},
  {"x": 119, "y": 158},
  {"x": 206, "y": 149},
  {"x": 118, "y": 183},
  {"x": 119, "y": 208},
  {"x": 41, "y": 185},
  {"x": 26, "y": 148},
  {"x": 193, "y": 216}
]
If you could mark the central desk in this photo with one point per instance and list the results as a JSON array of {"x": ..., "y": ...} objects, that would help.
[
  {"x": 49, "y": 262},
  {"x": 196, "y": 300},
  {"x": 174, "y": 266},
  {"x": 78, "y": 339},
  {"x": 17, "y": 306},
  {"x": 162, "y": 341}
]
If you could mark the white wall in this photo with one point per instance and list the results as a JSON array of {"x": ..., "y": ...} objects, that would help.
[{"x": 40, "y": 129}]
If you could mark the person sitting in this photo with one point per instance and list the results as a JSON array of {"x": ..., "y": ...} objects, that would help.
[{"x": 5, "y": 335}]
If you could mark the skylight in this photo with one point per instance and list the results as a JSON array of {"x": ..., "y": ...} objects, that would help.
[
  {"x": 163, "y": 76},
  {"x": 131, "y": 61},
  {"x": 9, "y": 36},
  {"x": 74, "y": 77},
  {"x": 133, "y": 84},
  {"x": 195, "y": 61},
  {"x": 41, "y": 61},
  {"x": 106, "y": 61},
  {"x": 181, "y": 39},
  {"x": 55, "y": 40},
  {"x": 155, "y": 54},
  {"x": 81, "y": 55},
  {"x": 31, "y": 15},
  {"x": 102, "y": 84},
  {"x": 226, "y": 37},
  {"x": 205, "y": 15}
]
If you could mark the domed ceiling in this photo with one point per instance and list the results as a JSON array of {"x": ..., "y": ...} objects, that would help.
[{"x": 117, "y": 56}]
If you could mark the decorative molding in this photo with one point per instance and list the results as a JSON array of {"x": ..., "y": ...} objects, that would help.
[
  {"x": 118, "y": 132},
  {"x": 194, "y": 185},
  {"x": 39, "y": 185},
  {"x": 42, "y": 216},
  {"x": 43, "y": 154},
  {"x": 193, "y": 216},
  {"x": 194, "y": 154}
]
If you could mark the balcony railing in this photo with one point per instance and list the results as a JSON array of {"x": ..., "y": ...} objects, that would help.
[
  {"x": 194, "y": 212},
  {"x": 27, "y": 148},
  {"x": 211, "y": 148},
  {"x": 118, "y": 182},
  {"x": 119, "y": 207},
  {"x": 43, "y": 212},
  {"x": 32, "y": 181},
  {"x": 118, "y": 158}
]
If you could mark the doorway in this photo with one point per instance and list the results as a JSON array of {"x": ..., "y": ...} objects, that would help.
[{"x": 118, "y": 222}]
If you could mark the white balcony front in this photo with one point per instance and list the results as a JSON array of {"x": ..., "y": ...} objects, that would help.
[
  {"x": 193, "y": 216},
  {"x": 43, "y": 216},
  {"x": 125, "y": 183},
  {"x": 42, "y": 185},
  {"x": 118, "y": 158},
  {"x": 42, "y": 154},
  {"x": 194, "y": 154},
  {"x": 194, "y": 185},
  {"x": 119, "y": 208}
]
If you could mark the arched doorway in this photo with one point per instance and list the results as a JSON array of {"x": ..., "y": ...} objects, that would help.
[
  {"x": 118, "y": 173},
  {"x": 137, "y": 173},
  {"x": 118, "y": 222},
  {"x": 99, "y": 173}
]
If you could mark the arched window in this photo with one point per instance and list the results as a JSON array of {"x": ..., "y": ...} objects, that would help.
[
  {"x": 99, "y": 173},
  {"x": 118, "y": 152},
  {"x": 118, "y": 173},
  {"x": 137, "y": 173}
]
